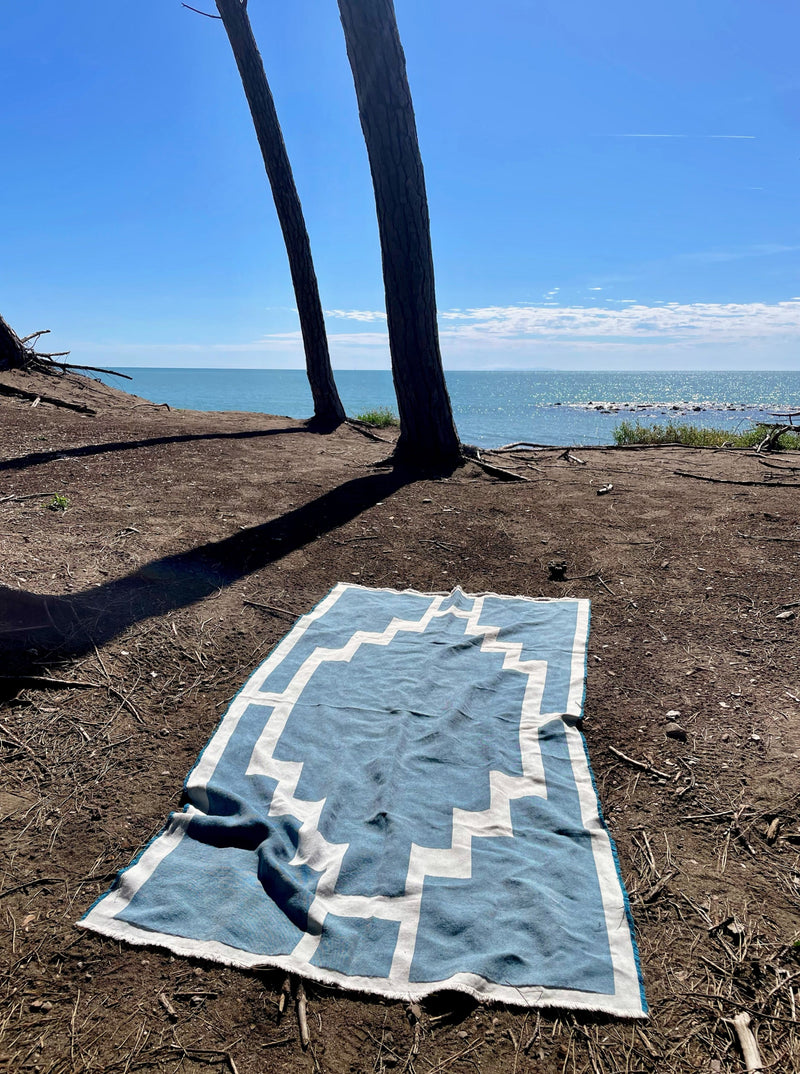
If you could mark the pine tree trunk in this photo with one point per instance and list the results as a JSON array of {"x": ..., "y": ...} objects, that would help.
[
  {"x": 427, "y": 431},
  {"x": 328, "y": 407},
  {"x": 12, "y": 352}
]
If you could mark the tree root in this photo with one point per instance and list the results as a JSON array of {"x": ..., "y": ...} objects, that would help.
[{"x": 19, "y": 353}]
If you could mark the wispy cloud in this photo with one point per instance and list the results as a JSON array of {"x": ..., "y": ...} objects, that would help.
[
  {"x": 633, "y": 321},
  {"x": 622, "y": 318},
  {"x": 630, "y": 335},
  {"x": 356, "y": 315}
]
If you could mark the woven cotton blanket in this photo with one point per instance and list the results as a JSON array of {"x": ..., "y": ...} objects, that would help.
[{"x": 400, "y": 801}]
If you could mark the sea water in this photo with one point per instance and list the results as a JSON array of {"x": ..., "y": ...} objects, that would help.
[{"x": 494, "y": 408}]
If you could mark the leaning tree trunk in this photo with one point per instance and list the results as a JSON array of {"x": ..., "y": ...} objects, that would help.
[
  {"x": 13, "y": 352},
  {"x": 328, "y": 407},
  {"x": 427, "y": 431}
]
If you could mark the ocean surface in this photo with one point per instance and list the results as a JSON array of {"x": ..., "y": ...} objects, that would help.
[{"x": 494, "y": 408}]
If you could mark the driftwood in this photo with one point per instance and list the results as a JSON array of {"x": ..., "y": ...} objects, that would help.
[
  {"x": 572, "y": 458},
  {"x": 770, "y": 441},
  {"x": 64, "y": 366},
  {"x": 525, "y": 445},
  {"x": 473, "y": 454},
  {"x": 19, "y": 353},
  {"x": 37, "y": 397},
  {"x": 730, "y": 481},
  {"x": 498, "y": 471}
]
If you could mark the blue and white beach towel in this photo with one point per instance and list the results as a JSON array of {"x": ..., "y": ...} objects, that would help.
[{"x": 399, "y": 801}]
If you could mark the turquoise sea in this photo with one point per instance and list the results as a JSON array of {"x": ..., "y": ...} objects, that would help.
[{"x": 493, "y": 408}]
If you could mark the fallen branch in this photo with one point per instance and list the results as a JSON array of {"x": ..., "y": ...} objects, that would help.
[
  {"x": 6, "y": 736},
  {"x": 302, "y": 1019},
  {"x": 163, "y": 999},
  {"x": 414, "y": 1016},
  {"x": 526, "y": 444},
  {"x": 747, "y": 1041},
  {"x": 656, "y": 890},
  {"x": 13, "y": 498},
  {"x": 643, "y": 765},
  {"x": 366, "y": 537},
  {"x": 20, "y": 393},
  {"x": 496, "y": 471},
  {"x": 365, "y": 430},
  {"x": 269, "y": 608},
  {"x": 32, "y": 883},
  {"x": 18, "y": 353},
  {"x": 90, "y": 368},
  {"x": 760, "y": 1014},
  {"x": 47, "y": 683},
  {"x": 770, "y": 441},
  {"x": 730, "y": 481},
  {"x": 572, "y": 458},
  {"x": 286, "y": 990}
]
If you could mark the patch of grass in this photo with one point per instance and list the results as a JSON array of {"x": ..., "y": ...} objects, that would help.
[
  {"x": 58, "y": 503},
  {"x": 381, "y": 417},
  {"x": 630, "y": 432}
]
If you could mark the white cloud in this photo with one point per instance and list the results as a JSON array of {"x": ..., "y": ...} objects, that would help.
[
  {"x": 704, "y": 321},
  {"x": 356, "y": 315},
  {"x": 675, "y": 335}
]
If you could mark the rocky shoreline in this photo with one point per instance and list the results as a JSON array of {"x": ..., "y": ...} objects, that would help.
[{"x": 671, "y": 408}]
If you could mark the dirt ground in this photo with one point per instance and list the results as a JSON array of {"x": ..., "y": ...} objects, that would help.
[{"x": 183, "y": 545}]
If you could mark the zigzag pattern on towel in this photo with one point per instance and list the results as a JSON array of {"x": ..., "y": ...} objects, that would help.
[{"x": 326, "y": 858}]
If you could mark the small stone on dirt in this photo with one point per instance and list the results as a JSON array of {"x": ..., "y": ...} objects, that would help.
[{"x": 674, "y": 730}]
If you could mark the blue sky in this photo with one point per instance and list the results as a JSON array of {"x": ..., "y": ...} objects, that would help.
[{"x": 611, "y": 186}]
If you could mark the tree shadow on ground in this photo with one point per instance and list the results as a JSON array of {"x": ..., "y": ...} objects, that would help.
[
  {"x": 39, "y": 458},
  {"x": 36, "y": 630}
]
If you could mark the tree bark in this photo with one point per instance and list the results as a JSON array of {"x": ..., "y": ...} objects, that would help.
[
  {"x": 13, "y": 354},
  {"x": 328, "y": 407},
  {"x": 427, "y": 431}
]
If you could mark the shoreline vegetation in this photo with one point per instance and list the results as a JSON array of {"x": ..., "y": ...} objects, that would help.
[
  {"x": 628, "y": 432},
  {"x": 381, "y": 417}
]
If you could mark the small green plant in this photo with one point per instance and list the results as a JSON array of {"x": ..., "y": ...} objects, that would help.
[
  {"x": 381, "y": 417},
  {"x": 58, "y": 503},
  {"x": 633, "y": 432}
]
